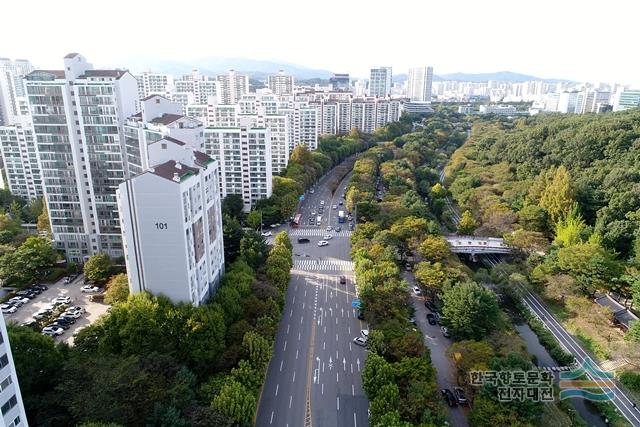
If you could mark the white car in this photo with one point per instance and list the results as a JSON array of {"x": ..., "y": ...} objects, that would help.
[
  {"x": 8, "y": 308},
  {"x": 18, "y": 301},
  {"x": 335, "y": 206},
  {"x": 360, "y": 341},
  {"x": 322, "y": 202},
  {"x": 76, "y": 308},
  {"x": 52, "y": 331},
  {"x": 328, "y": 237},
  {"x": 74, "y": 314},
  {"x": 62, "y": 300},
  {"x": 416, "y": 290},
  {"x": 267, "y": 234},
  {"x": 329, "y": 228},
  {"x": 89, "y": 288},
  {"x": 42, "y": 313},
  {"x": 323, "y": 243},
  {"x": 365, "y": 333}
]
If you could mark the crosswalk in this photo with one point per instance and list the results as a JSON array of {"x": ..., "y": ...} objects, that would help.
[
  {"x": 314, "y": 264},
  {"x": 311, "y": 232}
]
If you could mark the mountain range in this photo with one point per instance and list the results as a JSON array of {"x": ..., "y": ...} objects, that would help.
[{"x": 259, "y": 69}]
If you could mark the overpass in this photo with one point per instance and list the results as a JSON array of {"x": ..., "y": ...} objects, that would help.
[{"x": 477, "y": 245}]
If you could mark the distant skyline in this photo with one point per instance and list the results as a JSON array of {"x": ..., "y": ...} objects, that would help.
[{"x": 548, "y": 38}]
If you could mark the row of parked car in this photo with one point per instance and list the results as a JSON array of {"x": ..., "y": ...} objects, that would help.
[
  {"x": 64, "y": 321},
  {"x": 22, "y": 297}
]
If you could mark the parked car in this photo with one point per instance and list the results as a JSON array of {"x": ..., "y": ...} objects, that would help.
[
  {"x": 8, "y": 308},
  {"x": 36, "y": 290},
  {"x": 18, "y": 301},
  {"x": 276, "y": 225},
  {"x": 416, "y": 290},
  {"x": 52, "y": 331},
  {"x": 340, "y": 202},
  {"x": 360, "y": 341},
  {"x": 67, "y": 280},
  {"x": 30, "y": 324},
  {"x": 41, "y": 287},
  {"x": 323, "y": 243},
  {"x": 365, "y": 334},
  {"x": 338, "y": 229},
  {"x": 68, "y": 319},
  {"x": 431, "y": 318},
  {"x": 303, "y": 240},
  {"x": 64, "y": 300},
  {"x": 43, "y": 312},
  {"x": 26, "y": 294},
  {"x": 430, "y": 305},
  {"x": 460, "y": 396},
  {"x": 343, "y": 280},
  {"x": 266, "y": 234},
  {"x": 327, "y": 237},
  {"x": 360, "y": 315},
  {"x": 449, "y": 397},
  {"x": 74, "y": 314},
  {"x": 335, "y": 207},
  {"x": 90, "y": 289},
  {"x": 59, "y": 324},
  {"x": 65, "y": 320},
  {"x": 351, "y": 226},
  {"x": 76, "y": 308},
  {"x": 445, "y": 331}
]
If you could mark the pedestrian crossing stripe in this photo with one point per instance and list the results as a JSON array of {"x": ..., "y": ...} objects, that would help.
[
  {"x": 310, "y": 232},
  {"x": 314, "y": 264}
]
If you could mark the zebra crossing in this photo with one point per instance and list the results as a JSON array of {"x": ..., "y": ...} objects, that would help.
[
  {"x": 316, "y": 232},
  {"x": 330, "y": 265}
]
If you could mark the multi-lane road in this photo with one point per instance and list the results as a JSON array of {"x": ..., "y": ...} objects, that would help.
[{"x": 314, "y": 378}]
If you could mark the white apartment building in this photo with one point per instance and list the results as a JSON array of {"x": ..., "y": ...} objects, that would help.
[
  {"x": 150, "y": 83},
  {"x": 196, "y": 91},
  {"x": 13, "y": 102},
  {"x": 158, "y": 118},
  {"x": 232, "y": 86},
  {"x": 303, "y": 124},
  {"x": 501, "y": 110},
  {"x": 567, "y": 102},
  {"x": 419, "y": 84},
  {"x": 20, "y": 158},
  {"x": 13, "y": 414},
  {"x": 172, "y": 225},
  {"x": 78, "y": 115},
  {"x": 281, "y": 83},
  {"x": 380, "y": 81},
  {"x": 244, "y": 154},
  {"x": 364, "y": 114}
]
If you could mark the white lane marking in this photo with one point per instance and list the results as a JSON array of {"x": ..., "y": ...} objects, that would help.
[
  {"x": 336, "y": 320},
  {"x": 277, "y": 388},
  {"x": 352, "y": 370},
  {"x": 322, "y": 367},
  {"x": 337, "y": 377},
  {"x": 290, "y": 399},
  {"x": 350, "y": 347},
  {"x": 271, "y": 420},
  {"x": 288, "y": 326},
  {"x": 303, "y": 306},
  {"x": 281, "y": 362},
  {"x": 353, "y": 390},
  {"x": 291, "y": 313},
  {"x": 336, "y": 337},
  {"x": 355, "y": 423},
  {"x": 285, "y": 346},
  {"x": 298, "y": 336},
  {"x": 349, "y": 328},
  {"x": 338, "y": 402},
  {"x": 294, "y": 376},
  {"x": 322, "y": 388},
  {"x": 324, "y": 344},
  {"x": 294, "y": 300},
  {"x": 301, "y": 317},
  {"x": 296, "y": 354}
]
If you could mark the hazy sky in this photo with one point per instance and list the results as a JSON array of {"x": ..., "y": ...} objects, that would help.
[{"x": 578, "y": 40}]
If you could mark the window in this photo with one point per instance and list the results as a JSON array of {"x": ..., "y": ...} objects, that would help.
[
  {"x": 4, "y": 361},
  {"x": 6, "y": 383},
  {"x": 10, "y": 404}
]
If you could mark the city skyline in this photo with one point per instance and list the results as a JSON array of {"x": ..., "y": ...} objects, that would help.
[{"x": 544, "y": 51}]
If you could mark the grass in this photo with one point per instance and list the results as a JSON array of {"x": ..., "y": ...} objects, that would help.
[
  {"x": 590, "y": 345},
  {"x": 555, "y": 415},
  {"x": 609, "y": 411}
]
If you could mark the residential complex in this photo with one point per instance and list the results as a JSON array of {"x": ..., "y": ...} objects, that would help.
[
  {"x": 340, "y": 82},
  {"x": 172, "y": 224},
  {"x": 78, "y": 115},
  {"x": 20, "y": 158},
  {"x": 419, "y": 84},
  {"x": 627, "y": 99},
  {"x": 281, "y": 83},
  {"x": 380, "y": 81},
  {"x": 364, "y": 114},
  {"x": 154, "y": 84},
  {"x": 232, "y": 86},
  {"x": 13, "y": 102},
  {"x": 13, "y": 414}
]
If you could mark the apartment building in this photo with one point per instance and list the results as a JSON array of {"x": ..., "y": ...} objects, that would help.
[
  {"x": 281, "y": 83},
  {"x": 232, "y": 86},
  {"x": 19, "y": 156},
  {"x": 364, "y": 114},
  {"x": 419, "y": 84},
  {"x": 78, "y": 113},
  {"x": 244, "y": 154},
  {"x": 380, "y": 80},
  {"x": 150, "y": 83},
  {"x": 303, "y": 124},
  {"x": 172, "y": 224},
  {"x": 13, "y": 102},
  {"x": 13, "y": 414}
]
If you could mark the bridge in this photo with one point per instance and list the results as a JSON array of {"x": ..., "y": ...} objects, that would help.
[{"x": 477, "y": 245}]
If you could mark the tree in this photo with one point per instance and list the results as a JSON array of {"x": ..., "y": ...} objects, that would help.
[
  {"x": 282, "y": 238},
  {"x": 438, "y": 191},
  {"x": 377, "y": 373},
  {"x": 633, "y": 334},
  {"x": 387, "y": 400},
  {"x": 469, "y": 310},
  {"x": 257, "y": 349},
  {"x": 434, "y": 248},
  {"x": 571, "y": 229},
  {"x": 590, "y": 264},
  {"x": 32, "y": 210},
  {"x": 117, "y": 289},
  {"x": 23, "y": 266},
  {"x": 467, "y": 224},
  {"x": 489, "y": 413},
  {"x": 254, "y": 219},
  {"x": 232, "y": 205},
  {"x": 558, "y": 197},
  {"x": 430, "y": 275},
  {"x": 533, "y": 218},
  {"x": 231, "y": 236},
  {"x": 98, "y": 268},
  {"x": 471, "y": 355},
  {"x": 9, "y": 228},
  {"x": 287, "y": 205},
  {"x": 527, "y": 241},
  {"x": 236, "y": 402}
]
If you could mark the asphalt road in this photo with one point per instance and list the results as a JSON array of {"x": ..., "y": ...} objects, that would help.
[{"x": 316, "y": 369}]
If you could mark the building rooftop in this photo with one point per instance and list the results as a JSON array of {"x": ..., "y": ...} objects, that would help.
[
  {"x": 71, "y": 55},
  {"x": 103, "y": 73},
  {"x": 153, "y": 95},
  {"x": 173, "y": 171},
  {"x": 167, "y": 119},
  {"x": 174, "y": 140},
  {"x": 201, "y": 158},
  {"x": 58, "y": 74}
]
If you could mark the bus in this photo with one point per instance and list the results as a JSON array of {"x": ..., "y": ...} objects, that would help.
[
  {"x": 341, "y": 217},
  {"x": 296, "y": 220}
]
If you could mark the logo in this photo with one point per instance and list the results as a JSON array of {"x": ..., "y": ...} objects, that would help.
[{"x": 587, "y": 381}]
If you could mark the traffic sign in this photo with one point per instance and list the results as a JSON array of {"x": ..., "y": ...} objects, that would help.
[
  {"x": 355, "y": 303},
  {"x": 301, "y": 198}
]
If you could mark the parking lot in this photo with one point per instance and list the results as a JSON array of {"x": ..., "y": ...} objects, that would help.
[{"x": 93, "y": 310}]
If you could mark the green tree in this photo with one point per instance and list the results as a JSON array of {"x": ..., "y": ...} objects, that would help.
[
  {"x": 430, "y": 275},
  {"x": 488, "y": 413},
  {"x": 287, "y": 205},
  {"x": 533, "y": 218},
  {"x": 469, "y": 310},
  {"x": 43, "y": 223},
  {"x": 467, "y": 224},
  {"x": 236, "y": 402},
  {"x": 254, "y": 219},
  {"x": 117, "y": 289},
  {"x": 558, "y": 197},
  {"x": 98, "y": 268},
  {"x": 23, "y": 266},
  {"x": 571, "y": 229},
  {"x": 282, "y": 238},
  {"x": 590, "y": 264},
  {"x": 471, "y": 355},
  {"x": 377, "y": 373},
  {"x": 438, "y": 191},
  {"x": 387, "y": 400},
  {"x": 231, "y": 236},
  {"x": 9, "y": 228},
  {"x": 257, "y": 349},
  {"x": 633, "y": 334},
  {"x": 232, "y": 205},
  {"x": 434, "y": 248}
]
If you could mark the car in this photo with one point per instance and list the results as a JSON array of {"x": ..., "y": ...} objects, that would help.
[
  {"x": 312, "y": 222},
  {"x": 360, "y": 341},
  {"x": 417, "y": 291},
  {"x": 460, "y": 396},
  {"x": 303, "y": 240},
  {"x": 42, "y": 313},
  {"x": 430, "y": 305},
  {"x": 322, "y": 202},
  {"x": 30, "y": 324},
  {"x": 360, "y": 315},
  {"x": 52, "y": 331},
  {"x": 343, "y": 280},
  {"x": 341, "y": 202},
  {"x": 59, "y": 324},
  {"x": 313, "y": 213},
  {"x": 431, "y": 318},
  {"x": 76, "y": 308},
  {"x": 350, "y": 226},
  {"x": 90, "y": 289},
  {"x": 67, "y": 280},
  {"x": 335, "y": 207},
  {"x": 63, "y": 300},
  {"x": 329, "y": 228},
  {"x": 449, "y": 397},
  {"x": 26, "y": 294},
  {"x": 365, "y": 334},
  {"x": 41, "y": 287},
  {"x": 327, "y": 237},
  {"x": 35, "y": 290},
  {"x": 266, "y": 234},
  {"x": 74, "y": 314},
  {"x": 66, "y": 318},
  {"x": 323, "y": 243},
  {"x": 445, "y": 331},
  {"x": 18, "y": 301},
  {"x": 8, "y": 308},
  {"x": 312, "y": 191},
  {"x": 276, "y": 225},
  {"x": 338, "y": 229}
]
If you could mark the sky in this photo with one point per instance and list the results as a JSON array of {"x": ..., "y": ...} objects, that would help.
[{"x": 568, "y": 39}]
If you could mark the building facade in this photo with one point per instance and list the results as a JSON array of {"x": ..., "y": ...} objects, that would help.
[
  {"x": 172, "y": 225},
  {"x": 78, "y": 115},
  {"x": 281, "y": 83},
  {"x": 13, "y": 414},
  {"x": 627, "y": 99},
  {"x": 232, "y": 86},
  {"x": 419, "y": 84},
  {"x": 150, "y": 83},
  {"x": 13, "y": 102},
  {"x": 19, "y": 155},
  {"x": 380, "y": 81},
  {"x": 364, "y": 114}
]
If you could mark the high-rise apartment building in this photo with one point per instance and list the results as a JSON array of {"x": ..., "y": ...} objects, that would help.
[
  {"x": 13, "y": 414},
  {"x": 20, "y": 158},
  {"x": 419, "y": 84},
  {"x": 172, "y": 224},
  {"x": 196, "y": 88},
  {"x": 232, "y": 86},
  {"x": 244, "y": 154},
  {"x": 340, "y": 82},
  {"x": 13, "y": 101},
  {"x": 364, "y": 114},
  {"x": 150, "y": 83},
  {"x": 281, "y": 83},
  {"x": 380, "y": 81},
  {"x": 627, "y": 99},
  {"x": 303, "y": 124},
  {"x": 78, "y": 115}
]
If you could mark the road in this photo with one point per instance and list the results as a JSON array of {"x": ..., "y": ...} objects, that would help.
[
  {"x": 93, "y": 309},
  {"x": 446, "y": 375},
  {"x": 314, "y": 377}
]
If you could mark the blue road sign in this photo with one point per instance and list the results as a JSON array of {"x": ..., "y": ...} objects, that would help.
[
  {"x": 302, "y": 198},
  {"x": 355, "y": 303}
]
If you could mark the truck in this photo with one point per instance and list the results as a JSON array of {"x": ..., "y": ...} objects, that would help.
[{"x": 341, "y": 217}]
